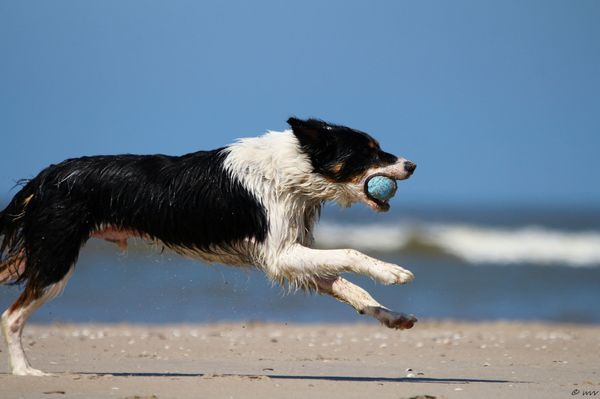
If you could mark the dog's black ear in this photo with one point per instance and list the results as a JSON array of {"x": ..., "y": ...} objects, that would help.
[
  {"x": 294, "y": 122},
  {"x": 316, "y": 140},
  {"x": 310, "y": 132}
]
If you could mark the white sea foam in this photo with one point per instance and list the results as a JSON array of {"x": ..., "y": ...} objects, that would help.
[
  {"x": 474, "y": 244},
  {"x": 367, "y": 237}
]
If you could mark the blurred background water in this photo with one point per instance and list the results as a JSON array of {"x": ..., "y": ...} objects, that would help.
[
  {"x": 497, "y": 102},
  {"x": 524, "y": 271}
]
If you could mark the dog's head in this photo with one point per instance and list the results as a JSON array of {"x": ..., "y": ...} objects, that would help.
[{"x": 350, "y": 157}]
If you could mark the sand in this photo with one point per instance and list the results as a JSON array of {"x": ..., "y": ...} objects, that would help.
[{"x": 257, "y": 360}]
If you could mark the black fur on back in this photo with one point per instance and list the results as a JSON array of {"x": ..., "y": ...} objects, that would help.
[{"x": 188, "y": 201}]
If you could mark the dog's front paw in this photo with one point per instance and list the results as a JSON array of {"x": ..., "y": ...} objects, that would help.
[
  {"x": 399, "y": 321},
  {"x": 386, "y": 273}
]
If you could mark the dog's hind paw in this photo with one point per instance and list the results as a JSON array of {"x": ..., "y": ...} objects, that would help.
[
  {"x": 30, "y": 371},
  {"x": 391, "y": 319}
]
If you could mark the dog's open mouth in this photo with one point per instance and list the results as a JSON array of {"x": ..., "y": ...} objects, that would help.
[
  {"x": 379, "y": 189},
  {"x": 379, "y": 205}
]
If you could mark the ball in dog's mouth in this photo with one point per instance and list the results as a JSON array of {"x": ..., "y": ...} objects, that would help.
[{"x": 380, "y": 189}]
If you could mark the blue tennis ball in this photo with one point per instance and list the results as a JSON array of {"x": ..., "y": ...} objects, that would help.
[{"x": 381, "y": 187}]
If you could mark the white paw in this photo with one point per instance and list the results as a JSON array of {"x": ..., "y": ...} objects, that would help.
[
  {"x": 387, "y": 273},
  {"x": 30, "y": 371}
]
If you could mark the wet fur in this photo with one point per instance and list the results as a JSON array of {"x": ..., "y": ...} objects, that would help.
[{"x": 254, "y": 202}]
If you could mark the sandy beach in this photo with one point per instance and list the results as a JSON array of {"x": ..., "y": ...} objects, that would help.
[{"x": 269, "y": 360}]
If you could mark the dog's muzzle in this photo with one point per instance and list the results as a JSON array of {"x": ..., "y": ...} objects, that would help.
[{"x": 400, "y": 170}]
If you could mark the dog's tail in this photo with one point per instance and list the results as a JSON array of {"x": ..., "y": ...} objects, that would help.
[{"x": 12, "y": 248}]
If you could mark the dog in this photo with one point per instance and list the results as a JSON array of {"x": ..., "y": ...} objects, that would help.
[{"x": 252, "y": 203}]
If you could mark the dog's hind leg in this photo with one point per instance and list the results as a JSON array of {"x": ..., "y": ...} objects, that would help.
[
  {"x": 43, "y": 234},
  {"x": 13, "y": 321},
  {"x": 359, "y": 299}
]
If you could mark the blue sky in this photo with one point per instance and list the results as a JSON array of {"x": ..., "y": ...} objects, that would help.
[{"x": 496, "y": 101}]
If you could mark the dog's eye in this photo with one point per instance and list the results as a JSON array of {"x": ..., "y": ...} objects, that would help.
[{"x": 371, "y": 154}]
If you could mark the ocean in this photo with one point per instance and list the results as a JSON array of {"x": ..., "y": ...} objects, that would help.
[{"x": 470, "y": 263}]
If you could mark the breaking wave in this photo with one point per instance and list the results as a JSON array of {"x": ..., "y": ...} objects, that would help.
[{"x": 471, "y": 243}]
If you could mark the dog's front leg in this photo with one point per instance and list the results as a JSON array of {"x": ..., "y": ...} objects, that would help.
[
  {"x": 344, "y": 291},
  {"x": 301, "y": 261}
]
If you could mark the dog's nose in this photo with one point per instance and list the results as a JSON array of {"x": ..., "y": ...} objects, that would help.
[{"x": 410, "y": 166}]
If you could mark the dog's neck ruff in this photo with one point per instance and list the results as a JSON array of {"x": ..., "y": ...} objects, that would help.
[{"x": 279, "y": 174}]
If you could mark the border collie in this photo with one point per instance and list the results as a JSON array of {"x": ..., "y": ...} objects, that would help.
[{"x": 254, "y": 202}]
